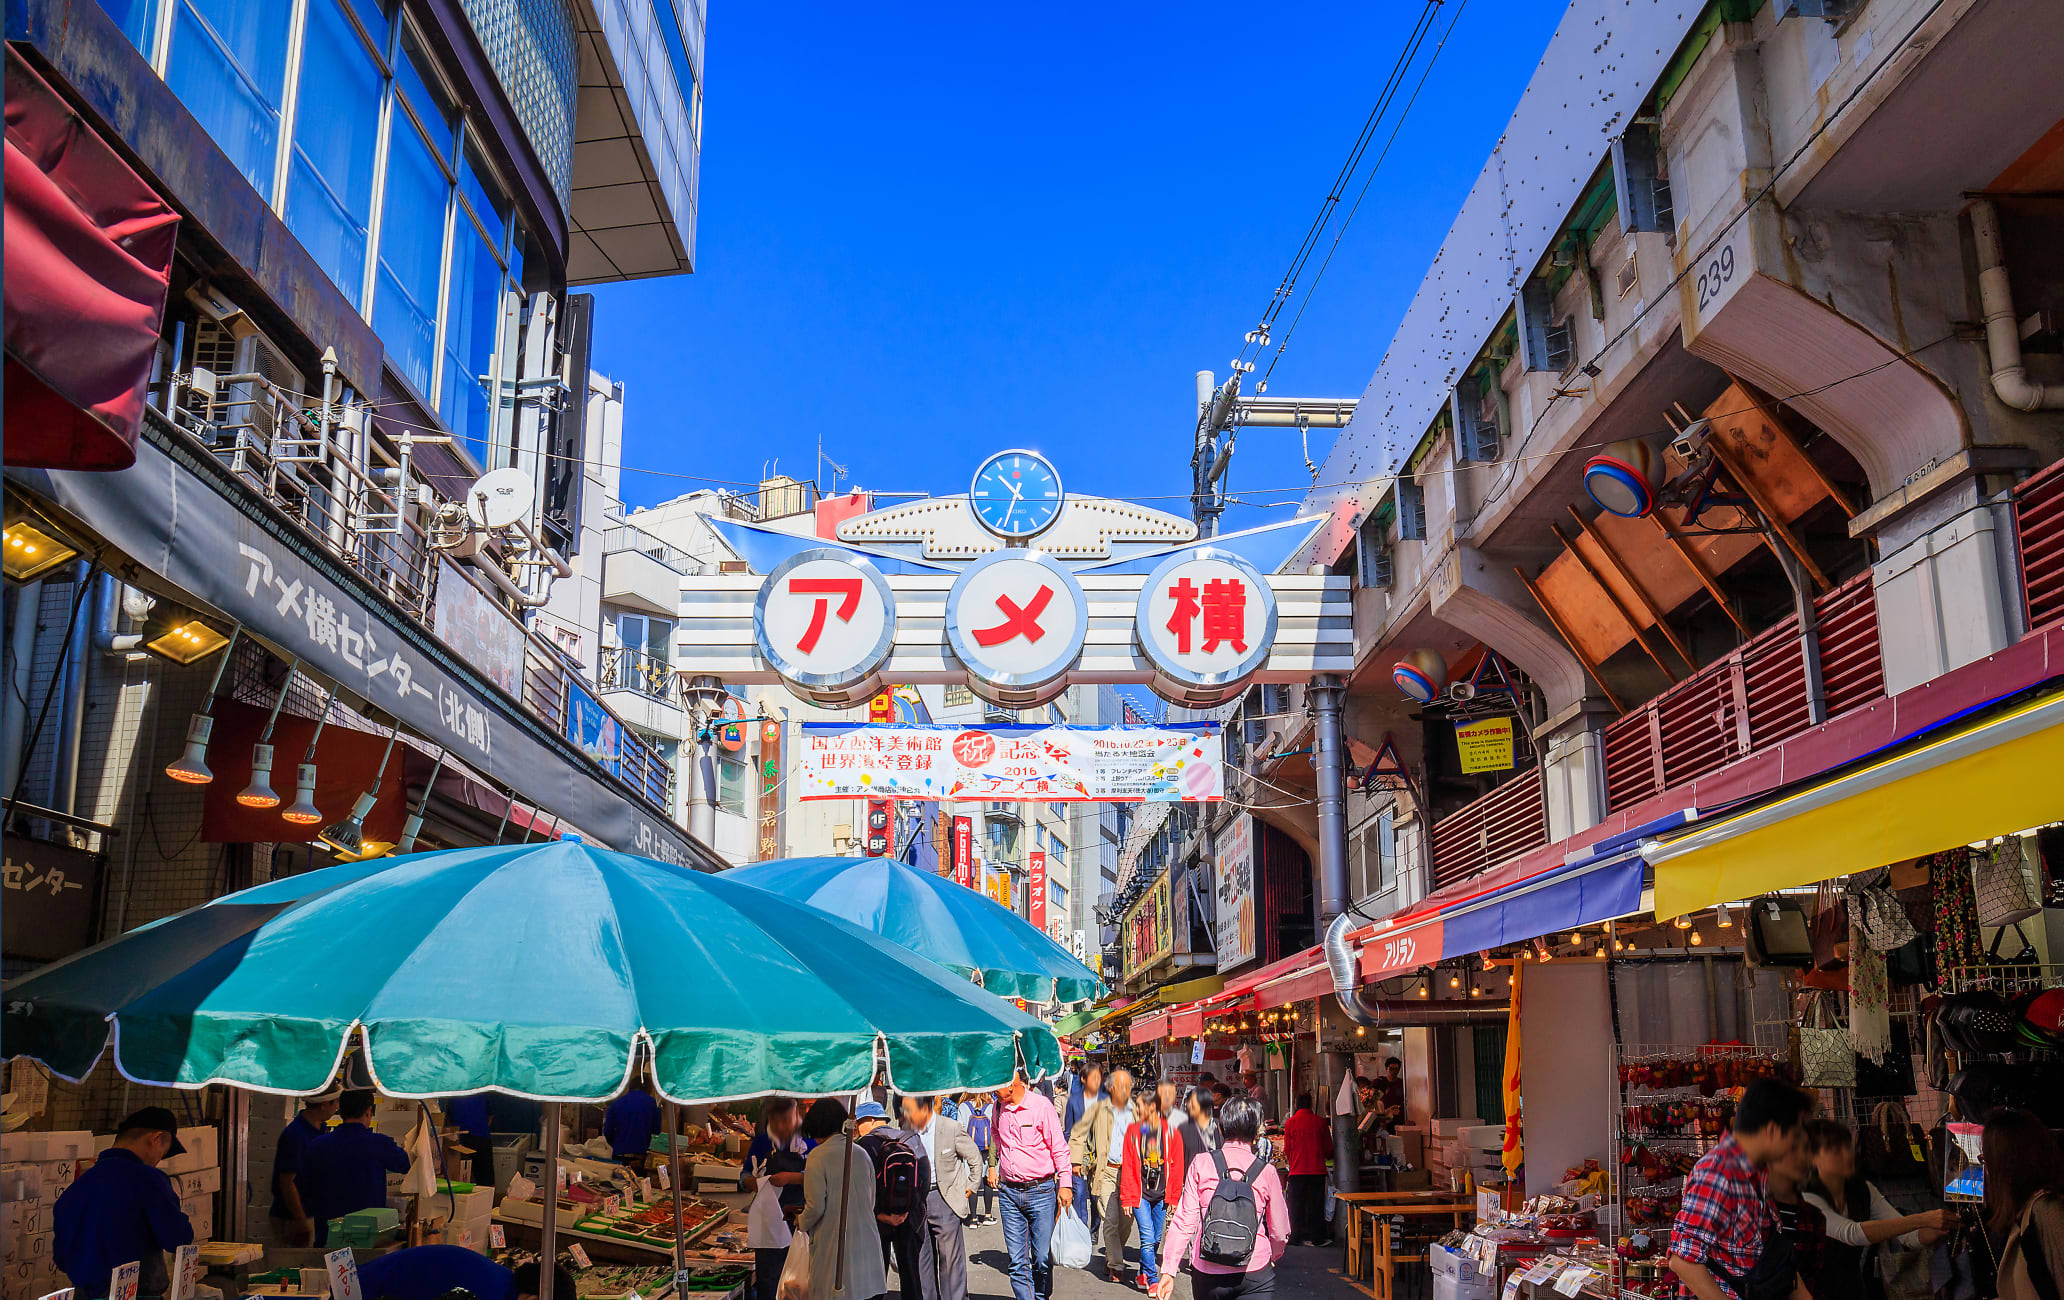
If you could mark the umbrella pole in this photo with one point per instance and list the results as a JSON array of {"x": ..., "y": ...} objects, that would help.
[
  {"x": 673, "y": 1129},
  {"x": 548, "y": 1229}
]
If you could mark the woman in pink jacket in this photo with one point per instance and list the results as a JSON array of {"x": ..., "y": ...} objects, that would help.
[{"x": 1239, "y": 1124}]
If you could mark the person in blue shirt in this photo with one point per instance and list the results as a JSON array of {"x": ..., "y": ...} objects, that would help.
[
  {"x": 429, "y": 1272},
  {"x": 469, "y": 1116},
  {"x": 291, "y": 1222},
  {"x": 123, "y": 1210},
  {"x": 346, "y": 1169},
  {"x": 630, "y": 1122}
]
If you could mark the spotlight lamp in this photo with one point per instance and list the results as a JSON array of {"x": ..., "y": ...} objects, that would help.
[
  {"x": 27, "y": 552},
  {"x": 183, "y": 638},
  {"x": 259, "y": 793},
  {"x": 1724, "y": 917},
  {"x": 191, "y": 767},
  {"x": 413, "y": 826},
  {"x": 303, "y": 812}
]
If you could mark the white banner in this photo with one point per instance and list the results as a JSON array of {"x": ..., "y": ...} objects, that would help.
[
  {"x": 1235, "y": 927},
  {"x": 1028, "y": 764}
]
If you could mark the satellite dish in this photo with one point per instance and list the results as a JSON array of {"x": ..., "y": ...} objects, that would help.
[{"x": 500, "y": 498}]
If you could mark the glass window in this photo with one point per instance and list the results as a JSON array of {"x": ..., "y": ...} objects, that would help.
[
  {"x": 731, "y": 781},
  {"x": 645, "y": 634},
  {"x": 228, "y": 65},
  {"x": 411, "y": 253},
  {"x": 336, "y": 136},
  {"x": 490, "y": 206},
  {"x": 956, "y": 696},
  {"x": 472, "y": 318},
  {"x": 425, "y": 93},
  {"x": 373, "y": 13},
  {"x": 138, "y": 20}
]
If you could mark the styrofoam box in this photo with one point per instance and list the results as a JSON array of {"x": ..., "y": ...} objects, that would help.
[
  {"x": 21, "y": 1147},
  {"x": 75, "y": 1144},
  {"x": 21, "y": 1182},
  {"x": 202, "y": 1182},
  {"x": 201, "y": 1152},
  {"x": 1485, "y": 1137},
  {"x": 1452, "y": 1263},
  {"x": 1448, "y": 1128}
]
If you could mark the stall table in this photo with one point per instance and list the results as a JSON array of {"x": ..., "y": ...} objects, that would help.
[{"x": 1371, "y": 1256}]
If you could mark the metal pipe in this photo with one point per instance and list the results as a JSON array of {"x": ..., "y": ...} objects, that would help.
[
  {"x": 71, "y": 741},
  {"x": 1329, "y": 765},
  {"x": 21, "y": 658},
  {"x": 2002, "y": 327},
  {"x": 548, "y": 1220},
  {"x": 106, "y": 596},
  {"x": 673, "y": 1155}
]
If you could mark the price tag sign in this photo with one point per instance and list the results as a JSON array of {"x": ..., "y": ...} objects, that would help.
[
  {"x": 580, "y": 1257},
  {"x": 1542, "y": 1270},
  {"x": 342, "y": 1266},
  {"x": 1511, "y": 1291},
  {"x": 644, "y": 1189},
  {"x": 65, "y": 1294},
  {"x": 681, "y": 1282},
  {"x": 496, "y": 1237},
  {"x": 186, "y": 1272},
  {"x": 611, "y": 1204},
  {"x": 1573, "y": 1279},
  {"x": 1197, "y": 1052},
  {"x": 122, "y": 1286},
  {"x": 666, "y": 1175}
]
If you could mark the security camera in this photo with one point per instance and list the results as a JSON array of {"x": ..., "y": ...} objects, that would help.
[{"x": 1690, "y": 442}]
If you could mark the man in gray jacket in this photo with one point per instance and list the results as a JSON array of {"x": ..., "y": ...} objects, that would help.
[{"x": 956, "y": 1163}]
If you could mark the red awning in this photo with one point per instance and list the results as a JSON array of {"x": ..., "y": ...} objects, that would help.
[
  {"x": 1148, "y": 1029},
  {"x": 88, "y": 264}
]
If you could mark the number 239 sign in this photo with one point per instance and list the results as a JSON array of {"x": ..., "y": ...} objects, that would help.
[{"x": 1419, "y": 946}]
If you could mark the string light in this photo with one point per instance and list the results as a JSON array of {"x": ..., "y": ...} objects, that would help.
[{"x": 1725, "y": 917}]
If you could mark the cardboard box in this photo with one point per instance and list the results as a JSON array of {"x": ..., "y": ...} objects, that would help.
[
  {"x": 1484, "y": 1137},
  {"x": 1449, "y": 1128}
]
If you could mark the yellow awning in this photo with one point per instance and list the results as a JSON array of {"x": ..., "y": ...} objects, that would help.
[
  {"x": 1992, "y": 778},
  {"x": 1173, "y": 995}
]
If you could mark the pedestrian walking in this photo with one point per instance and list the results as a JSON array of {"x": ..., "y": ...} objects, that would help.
[
  {"x": 1724, "y": 1244},
  {"x": 1306, "y": 1140},
  {"x": 981, "y": 1127},
  {"x": 1031, "y": 1161},
  {"x": 1085, "y": 1088},
  {"x": 956, "y": 1165},
  {"x": 1228, "y": 1264},
  {"x": 1199, "y": 1125},
  {"x": 902, "y": 1172},
  {"x": 1097, "y": 1147},
  {"x": 838, "y": 1210},
  {"x": 774, "y": 1165},
  {"x": 1153, "y": 1156}
]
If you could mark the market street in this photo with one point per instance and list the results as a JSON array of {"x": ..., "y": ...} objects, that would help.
[{"x": 1303, "y": 1271}]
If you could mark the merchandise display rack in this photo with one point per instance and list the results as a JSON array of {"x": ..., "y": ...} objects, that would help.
[{"x": 1964, "y": 1160}]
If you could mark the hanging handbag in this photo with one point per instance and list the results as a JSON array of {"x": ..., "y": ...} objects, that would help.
[
  {"x": 1830, "y": 930},
  {"x": 1776, "y": 933},
  {"x": 1881, "y": 916},
  {"x": 1826, "y": 1060},
  {"x": 2026, "y": 957},
  {"x": 2003, "y": 883},
  {"x": 1894, "y": 1078},
  {"x": 1891, "y": 1148}
]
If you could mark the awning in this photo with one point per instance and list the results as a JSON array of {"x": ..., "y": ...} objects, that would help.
[
  {"x": 88, "y": 261},
  {"x": 1149, "y": 1028},
  {"x": 1989, "y": 778},
  {"x": 1073, "y": 1025},
  {"x": 1160, "y": 1024}
]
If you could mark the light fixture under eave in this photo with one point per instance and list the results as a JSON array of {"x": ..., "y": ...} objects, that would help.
[
  {"x": 348, "y": 836},
  {"x": 1725, "y": 917},
  {"x": 27, "y": 552},
  {"x": 259, "y": 793},
  {"x": 191, "y": 766},
  {"x": 1682, "y": 922},
  {"x": 412, "y": 825},
  {"x": 185, "y": 641},
  {"x": 303, "y": 812},
  {"x": 1697, "y": 939}
]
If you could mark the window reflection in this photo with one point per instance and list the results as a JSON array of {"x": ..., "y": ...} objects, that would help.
[
  {"x": 329, "y": 200},
  {"x": 471, "y": 316},
  {"x": 411, "y": 253},
  {"x": 228, "y": 65}
]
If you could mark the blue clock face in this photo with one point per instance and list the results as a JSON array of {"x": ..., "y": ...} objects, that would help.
[{"x": 1016, "y": 494}]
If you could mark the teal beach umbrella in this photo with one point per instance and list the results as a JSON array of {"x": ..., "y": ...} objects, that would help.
[
  {"x": 934, "y": 917},
  {"x": 533, "y": 969}
]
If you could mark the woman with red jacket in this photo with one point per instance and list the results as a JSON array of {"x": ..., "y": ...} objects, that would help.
[{"x": 1153, "y": 1160}]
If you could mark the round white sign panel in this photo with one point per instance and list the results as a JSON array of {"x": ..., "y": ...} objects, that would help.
[
  {"x": 1206, "y": 618},
  {"x": 1016, "y": 618},
  {"x": 825, "y": 620}
]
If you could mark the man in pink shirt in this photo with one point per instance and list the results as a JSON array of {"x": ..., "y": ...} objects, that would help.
[
  {"x": 1032, "y": 1153},
  {"x": 1239, "y": 1124}
]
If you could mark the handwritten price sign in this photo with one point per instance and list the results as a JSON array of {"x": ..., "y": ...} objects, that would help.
[{"x": 1385, "y": 955}]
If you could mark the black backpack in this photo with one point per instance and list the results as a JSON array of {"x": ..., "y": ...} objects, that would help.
[
  {"x": 1232, "y": 1220},
  {"x": 895, "y": 1174}
]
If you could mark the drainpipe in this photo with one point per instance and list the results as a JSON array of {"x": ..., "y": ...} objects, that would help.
[
  {"x": 706, "y": 695},
  {"x": 1329, "y": 763},
  {"x": 2002, "y": 327},
  {"x": 21, "y": 658},
  {"x": 107, "y": 615},
  {"x": 65, "y": 772}
]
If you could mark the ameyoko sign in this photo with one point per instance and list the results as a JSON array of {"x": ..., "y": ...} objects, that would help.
[{"x": 1019, "y": 763}]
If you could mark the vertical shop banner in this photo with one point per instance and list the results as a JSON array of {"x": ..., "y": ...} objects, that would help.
[
  {"x": 1149, "y": 928},
  {"x": 1235, "y": 920},
  {"x": 996, "y": 882},
  {"x": 964, "y": 851},
  {"x": 880, "y": 831},
  {"x": 1035, "y": 898},
  {"x": 592, "y": 727},
  {"x": 770, "y": 791},
  {"x": 882, "y": 708}
]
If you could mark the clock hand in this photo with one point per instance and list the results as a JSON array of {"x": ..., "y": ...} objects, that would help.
[{"x": 1007, "y": 513}]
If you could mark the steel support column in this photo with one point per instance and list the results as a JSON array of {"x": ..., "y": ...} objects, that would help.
[{"x": 1329, "y": 763}]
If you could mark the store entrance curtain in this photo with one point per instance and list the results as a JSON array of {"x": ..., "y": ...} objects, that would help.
[
  {"x": 88, "y": 261},
  {"x": 1991, "y": 778}
]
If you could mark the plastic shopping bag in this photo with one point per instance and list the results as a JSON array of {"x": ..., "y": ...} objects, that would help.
[
  {"x": 795, "y": 1271},
  {"x": 1070, "y": 1241}
]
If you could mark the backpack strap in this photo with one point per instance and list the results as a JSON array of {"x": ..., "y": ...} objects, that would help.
[{"x": 1218, "y": 1158}]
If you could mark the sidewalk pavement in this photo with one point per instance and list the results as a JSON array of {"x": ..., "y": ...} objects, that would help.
[{"x": 1303, "y": 1272}]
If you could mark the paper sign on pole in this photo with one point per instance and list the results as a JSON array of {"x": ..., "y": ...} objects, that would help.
[
  {"x": 1484, "y": 745},
  {"x": 1197, "y": 1052},
  {"x": 496, "y": 1237},
  {"x": 122, "y": 1286},
  {"x": 342, "y": 1267}
]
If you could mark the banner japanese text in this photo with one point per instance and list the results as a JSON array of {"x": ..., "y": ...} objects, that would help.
[{"x": 1021, "y": 763}]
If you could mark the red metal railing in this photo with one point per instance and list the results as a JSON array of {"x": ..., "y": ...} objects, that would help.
[
  {"x": 1491, "y": 829},
  {"x": 1753, "y": 698},
  {"x": 2039, "y": 529}
]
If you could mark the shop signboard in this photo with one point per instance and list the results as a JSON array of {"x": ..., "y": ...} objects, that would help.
[
  {"x": 1150, "y": 927},
  {"x": 770, "y": 790},
  {"x": 478, "y": 630},
  {"x": 1485, "y": 744},
  {"x": 1028, "y": 763},
  {"x": 964, "y": 851},
  {"x": 47, "y": 905},
  {"x": 997, "y": 884},
  {"x": 880, "y": 836},
  {"x": 594, "y": 728},
  {"x": 1035, "y": 895},
  {"x": 1407, "y": 951},
  {"x": 1235, "y": 919}
]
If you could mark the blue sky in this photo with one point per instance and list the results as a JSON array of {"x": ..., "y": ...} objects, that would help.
[{"x": 928, "y": 232}]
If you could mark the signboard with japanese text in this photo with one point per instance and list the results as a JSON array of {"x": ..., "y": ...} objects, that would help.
[
  {"x": 996, "y": 883},
  {"x": 1485, "y": 745},
  {"x": 1207, "y": 621},
  {"x": 1017, "y": 619},
  {"x": 880, "y": 839},
  {"x": 285, "y": 590},
  {"x": 824, "y": 621},
  {"x": 1235, "y": 920},
  {"x": 47, "y": 905},
  {"x": 1025, "y": 764},
  {"x": 478, "y": 630},
  {"x": 1407, "y": 951},
  {"x": 1149, "y": 927},
  {"x": 770, "y": 791},
  {"x": 1035, "y": 888},
  {"x": 964, "y": 851}
]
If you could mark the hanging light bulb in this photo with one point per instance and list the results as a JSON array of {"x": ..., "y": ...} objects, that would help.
[
  {"x": 1725, "y": 917},
  {"x": 1359, "y": 1031},
  {"x": 1697, "y": 938},
  {"x": 259, "y": 793},
  {"x": 1488, "y": 964},
  {"x": 1543, "y": 951},
  {"x": 1576, "y": 937},
  {"x": 1455, "y": 980},
  {"x": 1682, "y": 922},
  {"x": 303, "y": 812},
  {"x": 191, "y": 766}
]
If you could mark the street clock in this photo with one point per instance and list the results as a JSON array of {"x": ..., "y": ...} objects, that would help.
[{"x": 1016, "y": 494}]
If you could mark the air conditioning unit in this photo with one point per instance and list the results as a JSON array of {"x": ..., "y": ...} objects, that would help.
[
  {"x": 235, "y": 347},
  {"x": 1629, "y": 278}
]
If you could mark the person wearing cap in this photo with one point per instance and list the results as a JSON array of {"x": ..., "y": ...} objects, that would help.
[
  {"x": 902, "y": 1232},
  {"x": 123, "y": 1210},
  {"x": 291, "y": 1222},
  {"x": 346, "y": 1169}
]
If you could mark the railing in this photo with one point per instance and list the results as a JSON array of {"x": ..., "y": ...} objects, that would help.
[
  {"x": 2039, "y": 530},
  {"x": 1748, "y": 701},
  {"x": 1491, "y": 829},
  {"x": 626, "y": 538},
  {"x": 625, "y": 669},
  {"x": 548, "y": 675}
]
